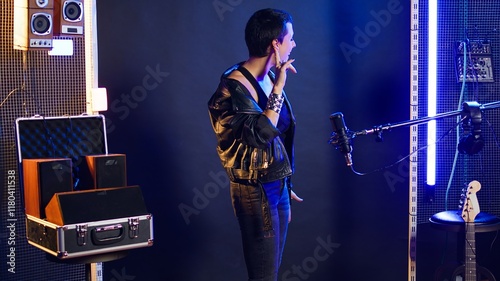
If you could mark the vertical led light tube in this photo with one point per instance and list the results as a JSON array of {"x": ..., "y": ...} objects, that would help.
[{"x": 431, "y": 93}]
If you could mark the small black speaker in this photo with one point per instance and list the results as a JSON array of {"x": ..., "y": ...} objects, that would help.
[
  {"x": 108, "y": 170},
  {"x": 42, "y": 178},
  {"x": 95, "y": 205}
]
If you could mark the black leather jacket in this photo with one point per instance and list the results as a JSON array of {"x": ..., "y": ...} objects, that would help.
[{"x": 250, "y": 147}]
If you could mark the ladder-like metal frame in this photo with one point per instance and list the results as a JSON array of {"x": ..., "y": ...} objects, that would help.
[{"x": 413, "y": 180}]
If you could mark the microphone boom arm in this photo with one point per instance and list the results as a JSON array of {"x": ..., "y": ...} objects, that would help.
[{"x": 382, "y": 128}]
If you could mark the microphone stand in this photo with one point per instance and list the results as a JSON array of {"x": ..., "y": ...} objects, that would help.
[
  {"x": 467, "y": 107},
  {"x": 470, "y": 110}
]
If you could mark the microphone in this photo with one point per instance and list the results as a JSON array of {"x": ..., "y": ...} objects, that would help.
[{"x": 341, "y": 139}]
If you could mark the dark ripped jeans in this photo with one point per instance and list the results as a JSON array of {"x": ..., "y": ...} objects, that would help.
[{"x": 262, "y": 211}]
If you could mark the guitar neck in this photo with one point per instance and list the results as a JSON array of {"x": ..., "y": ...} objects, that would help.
[{"x": 470, "y": 252}]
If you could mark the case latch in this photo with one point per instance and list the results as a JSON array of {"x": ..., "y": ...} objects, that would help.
[
  {"x": 81, "y": 234},
  {"x": 133, "y": 224}
]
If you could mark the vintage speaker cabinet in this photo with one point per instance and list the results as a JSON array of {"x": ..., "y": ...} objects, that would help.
[
  {"x": 107, "y": 170},
  {"x": 43, "y": 178},
  {"x": 33, "y": 24},
  {"x": 68, "y": 17},
  {"x": 118, "y": 221}
]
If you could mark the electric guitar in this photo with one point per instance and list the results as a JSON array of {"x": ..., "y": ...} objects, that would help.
[
  {"x": 470, "y": 209},
  {"x": 469, "y": 212}
]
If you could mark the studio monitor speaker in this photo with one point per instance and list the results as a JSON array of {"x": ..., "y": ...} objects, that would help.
[
  {"x": 33, "y": 24},
  {"x": 68, "y": 17},
  {"x": 107, "y": 170},
  {"x": 43, "y": 178},
  {"x": 95, "y": 205}
]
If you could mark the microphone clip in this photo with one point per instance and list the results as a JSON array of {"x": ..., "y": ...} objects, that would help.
[
  {"x": 336, "y": 140},
  {"x": 339, "y": 143}
]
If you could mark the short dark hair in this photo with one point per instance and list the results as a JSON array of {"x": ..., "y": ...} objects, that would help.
[{"x": 263, "y": 27}]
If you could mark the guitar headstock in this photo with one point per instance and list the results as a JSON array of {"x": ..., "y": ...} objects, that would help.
[{"x": 471, "y": 205}]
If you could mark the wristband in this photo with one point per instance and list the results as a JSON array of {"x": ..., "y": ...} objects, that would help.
[{"x": 275, "y": 102}]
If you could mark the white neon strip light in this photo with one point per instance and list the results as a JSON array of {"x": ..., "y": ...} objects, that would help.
[{"x": 432, "y": 95}]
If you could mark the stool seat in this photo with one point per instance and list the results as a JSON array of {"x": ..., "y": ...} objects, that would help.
[{"x": 453, "y": 221}]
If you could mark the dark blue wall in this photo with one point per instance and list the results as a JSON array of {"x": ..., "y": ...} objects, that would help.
[{"x": 160, "y": 62}]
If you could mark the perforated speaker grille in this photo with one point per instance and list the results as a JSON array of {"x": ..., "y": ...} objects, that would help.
[
  {"x": 459, "y": 21},
  {"x": 32, "y": 83}
]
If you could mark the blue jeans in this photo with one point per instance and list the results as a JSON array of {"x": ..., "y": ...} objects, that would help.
[{"x": 259, "y": 207}]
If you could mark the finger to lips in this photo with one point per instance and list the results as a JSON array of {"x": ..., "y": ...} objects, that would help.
[{"x": 288, "y": 65}]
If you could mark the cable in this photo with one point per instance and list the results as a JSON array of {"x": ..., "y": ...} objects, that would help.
[
  {"x": 492, "y": 130},
  {"x": 23, "y": 84},
  {"x": 407, "y": 156},
  {"x": 460, "y": 101},
  {"x": 7, "y": 97}
]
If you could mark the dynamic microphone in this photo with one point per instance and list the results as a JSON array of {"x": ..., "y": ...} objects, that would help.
[{"x": 342, "y": 139}]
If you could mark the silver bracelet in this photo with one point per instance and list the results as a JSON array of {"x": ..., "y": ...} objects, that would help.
[{"x": 275, "y": 102}]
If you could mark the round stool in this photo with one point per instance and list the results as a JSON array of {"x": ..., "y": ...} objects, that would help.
[{"x": 452, "y": 221}]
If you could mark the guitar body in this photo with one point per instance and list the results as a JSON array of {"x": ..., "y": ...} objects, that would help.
[
  {"x": 455, "y": 272},
  {"x": 470, "y": 271},
  {"x": 482, "y": 274}
]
